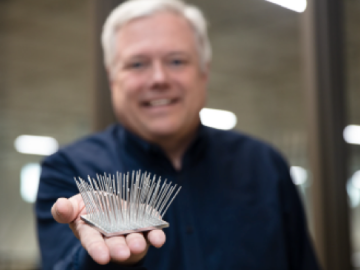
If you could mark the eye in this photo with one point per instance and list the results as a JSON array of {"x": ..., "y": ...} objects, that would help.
[
  {"x": 177, "y": 62},
  {"x": 136, "y": 65}
]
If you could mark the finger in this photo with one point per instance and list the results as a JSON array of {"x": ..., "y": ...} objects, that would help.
[
  {"x": 67, "y": 210},
  {"x": 63, "y": 211},
  {"x": 118, "y": 248},
  {"x": 156, "y": 238},
  {"x": 136, "y": 243},
  {"x": 94, "y": 243}
]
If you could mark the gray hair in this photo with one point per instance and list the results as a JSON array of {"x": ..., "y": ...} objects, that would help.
[{"x": 134, "y": 9}]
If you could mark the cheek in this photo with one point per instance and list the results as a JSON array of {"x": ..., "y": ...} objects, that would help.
[
  {"x": 196, "y": 92},
  {"x": 126, "y": 91},
  {"x": 117, "y": 96}
]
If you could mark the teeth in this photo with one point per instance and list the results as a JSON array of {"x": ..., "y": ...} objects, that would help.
[{"x": 160, "y": 102}]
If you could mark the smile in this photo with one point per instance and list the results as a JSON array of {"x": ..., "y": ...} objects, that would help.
[{"x": 160, "y": 102}]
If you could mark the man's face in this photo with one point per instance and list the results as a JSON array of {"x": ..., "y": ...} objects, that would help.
[{"x": 158, "y": 87}]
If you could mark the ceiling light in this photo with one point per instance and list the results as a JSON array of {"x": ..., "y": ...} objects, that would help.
[
  {"x": 36, "y": 145},
  {"x": 355, "y": 179},
  {"x": 295, "y": 5},
  {"x": 354, "y": 194},
  {"x": 29, "y": 182},
  {"x": 298, "y": 174},
  {"x": 218, "y": 119},
  {"x": 352, "y": 134}
]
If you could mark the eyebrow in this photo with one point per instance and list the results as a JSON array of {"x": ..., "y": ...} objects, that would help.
[
  {"x": 177, "y": 53},
  {"x": 144, "y": 56}
]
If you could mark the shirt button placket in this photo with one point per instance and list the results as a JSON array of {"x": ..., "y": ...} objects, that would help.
[{"x": 193, "y": 252}]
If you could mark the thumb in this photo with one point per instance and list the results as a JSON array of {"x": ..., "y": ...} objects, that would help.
[{"x": 66, "y": 210}]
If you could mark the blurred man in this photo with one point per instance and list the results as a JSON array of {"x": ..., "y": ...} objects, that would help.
[{"x": 238, "y": 208}]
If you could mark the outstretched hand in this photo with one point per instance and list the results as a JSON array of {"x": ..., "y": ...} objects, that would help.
[{"x": 126, "y": 250}]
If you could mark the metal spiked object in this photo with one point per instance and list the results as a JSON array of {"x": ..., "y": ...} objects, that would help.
[{"x": 120, "y": 205}]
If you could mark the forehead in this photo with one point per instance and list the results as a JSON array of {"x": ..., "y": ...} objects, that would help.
[{"x": 163, "y": 32}]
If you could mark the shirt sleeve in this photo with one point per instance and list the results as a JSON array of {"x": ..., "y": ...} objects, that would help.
[
  {"x": 59, "y": 248},
  {"x": 299, "y": 245}
]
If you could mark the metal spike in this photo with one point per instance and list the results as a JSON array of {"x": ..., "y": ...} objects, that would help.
[{"x": 122, "y": 204}]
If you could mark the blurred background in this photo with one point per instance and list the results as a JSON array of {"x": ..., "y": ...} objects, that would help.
[{"x": 48, "y": 60}]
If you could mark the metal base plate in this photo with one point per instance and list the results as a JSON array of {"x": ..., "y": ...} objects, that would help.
[{"x": 106, "y": 233}]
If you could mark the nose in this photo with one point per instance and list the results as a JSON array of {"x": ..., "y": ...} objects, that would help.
[{"x": 159, "y": 75}]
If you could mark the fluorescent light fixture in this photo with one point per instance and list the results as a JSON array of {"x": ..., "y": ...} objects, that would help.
[
  {"x": 36, "y": 145},
  {"x": 218, "y": 119},
  {"x": 298, "y": 174},
  {"x": 352, "y": 134},
  {"x": 295, "y": 5},
  {"x": 355, "y": 180},
  {"x": 353, "y": 193},
  {"x": 29, "y": 182},
  {"x": 353, "y": 189}
]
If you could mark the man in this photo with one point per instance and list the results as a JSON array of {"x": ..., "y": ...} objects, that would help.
[{"x": 238, "y": 208}]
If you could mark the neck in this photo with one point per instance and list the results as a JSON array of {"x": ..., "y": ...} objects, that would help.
[
  {"x": 175, "y": 146},
  {"x": 175, "y": 149}
]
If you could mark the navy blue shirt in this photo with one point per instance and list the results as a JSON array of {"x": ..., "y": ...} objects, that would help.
[{"x": 238, "y": 208}]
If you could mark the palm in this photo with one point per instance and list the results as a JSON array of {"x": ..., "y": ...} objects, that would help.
[{"x": 120, "y": 249}]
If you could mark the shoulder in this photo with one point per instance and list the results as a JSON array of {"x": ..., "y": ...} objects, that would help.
[
  {"x": 88, "y": 156},
  {"x": 88, "y": 153},
  {"x": 94, "y": 143},
  {"x": 234, "y": 149},
  {"x": 236, "y": 142}
]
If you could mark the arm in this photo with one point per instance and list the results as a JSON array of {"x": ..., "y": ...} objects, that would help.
[
  {"x": 299, "y": 246},
  {"x": 68, "y": 243}
]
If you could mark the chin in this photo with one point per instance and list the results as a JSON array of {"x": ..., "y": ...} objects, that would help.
[
  {"x": 163, "y": 132},
  {"x": 164, "y": 129},
  {"x": 170, "y": 129}
]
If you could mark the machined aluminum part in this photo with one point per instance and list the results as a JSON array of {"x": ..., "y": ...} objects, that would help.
[{"x": 120, "y": 205}]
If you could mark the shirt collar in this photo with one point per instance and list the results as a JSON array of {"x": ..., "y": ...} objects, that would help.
[{"x": 133, "y": 142}]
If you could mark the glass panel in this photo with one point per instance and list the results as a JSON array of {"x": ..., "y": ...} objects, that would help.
[{"x": 352, "y": 22}]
